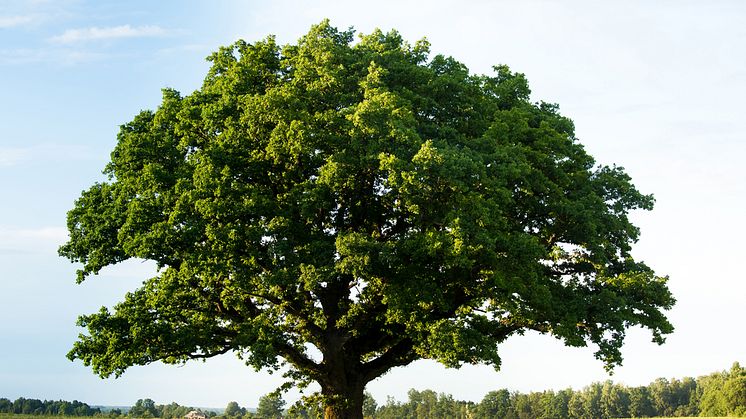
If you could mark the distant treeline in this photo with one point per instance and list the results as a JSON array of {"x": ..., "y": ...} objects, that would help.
[
  {"x": 143, "y": 408},
  {"x": 718, "y": 394},
  {"x": 47, "y": 407}
]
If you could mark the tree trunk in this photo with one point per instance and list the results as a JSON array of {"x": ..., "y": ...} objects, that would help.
[{"x": 344, "y": 403}]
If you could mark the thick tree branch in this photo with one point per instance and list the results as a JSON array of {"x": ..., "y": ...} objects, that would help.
[
  {"x": 401, "y": 353},
  {"x": 298, "y": 359}
]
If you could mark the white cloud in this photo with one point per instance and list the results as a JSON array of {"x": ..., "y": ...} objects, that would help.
[
  {"x": 13, "y": 21},
  {"x": 95, "y": 33},
  {"x": 14, "y": 240},
  {"x": 200, "y": 48},
  {"x": 14, "y": 156},
  {"x": 61, "y": 56},
  {"x": 54, "y": 234}
]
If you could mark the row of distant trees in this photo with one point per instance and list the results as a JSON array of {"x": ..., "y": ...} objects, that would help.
[
  {"x": 270, "y": 406},
  {"x": 47, "y": 407},
  {"x": 718, "y": 394}
]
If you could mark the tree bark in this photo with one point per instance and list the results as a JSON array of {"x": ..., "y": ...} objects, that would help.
[
  {"x": 343, "y": 385},
  {"x": 344, "y": 403}
]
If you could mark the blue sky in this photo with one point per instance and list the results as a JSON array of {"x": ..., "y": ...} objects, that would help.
[{"x": 656, "y": 87}]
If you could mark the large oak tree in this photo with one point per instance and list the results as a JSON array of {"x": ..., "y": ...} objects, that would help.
[{"x": 344, "y": 208}]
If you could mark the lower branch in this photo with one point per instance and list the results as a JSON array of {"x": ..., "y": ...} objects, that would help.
[{"x": 400, "y": 354}]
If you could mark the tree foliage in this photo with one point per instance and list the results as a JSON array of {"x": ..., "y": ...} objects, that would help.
[
  {"x": 364, "y": 201},
  {"x": 144, "y": 408},
  {"x": 271, "y": 406},
  {"x": 26, "y": 406},
  {"x": 723, "y": 393},
  {"x": 232, "y": 409}
]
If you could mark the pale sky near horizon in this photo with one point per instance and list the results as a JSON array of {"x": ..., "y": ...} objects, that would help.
[{"x": 655, "y": 87}]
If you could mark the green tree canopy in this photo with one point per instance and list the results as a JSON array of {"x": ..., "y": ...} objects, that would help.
[
  {"x": 496, "y": 404},
  {"x": 271, "y": 406},
  {"x": 144, "y": 408},
  {"x": 233, "y": 409},
  {"x": 363, "y": 201}
]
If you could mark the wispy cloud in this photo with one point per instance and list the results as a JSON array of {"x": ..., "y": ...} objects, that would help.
[
  {"x": 13, "y": 21},
  {"x": 14, "y": 240},
  {"x": 113, "y": 32},
  {"x": 178, "y": 49},
  {"x": 14, "y": 156},
  {"x": 62, "y": 56}
]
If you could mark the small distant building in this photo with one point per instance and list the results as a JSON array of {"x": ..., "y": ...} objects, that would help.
[{"x": 194, "y": 414}]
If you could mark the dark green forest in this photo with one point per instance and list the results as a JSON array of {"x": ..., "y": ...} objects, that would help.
[
  {"x": 718, "y": 394},
  {"x": 47, "y": 407}
]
